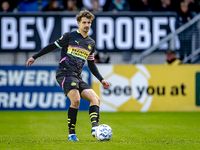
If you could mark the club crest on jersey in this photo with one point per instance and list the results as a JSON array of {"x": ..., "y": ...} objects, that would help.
[
  {"x": 89, "y": 47},
  {"x": 73, "y": 84}
]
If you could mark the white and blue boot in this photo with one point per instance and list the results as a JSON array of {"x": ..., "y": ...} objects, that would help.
[
  {"x": 72, "y": 137},
  {"x": 93, "y": 131}
]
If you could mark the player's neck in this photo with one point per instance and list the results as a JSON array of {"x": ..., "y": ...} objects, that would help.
[{"x": 84, "y": 34}]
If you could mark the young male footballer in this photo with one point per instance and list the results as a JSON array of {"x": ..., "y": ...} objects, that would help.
[{"x": 76, "y": 47}]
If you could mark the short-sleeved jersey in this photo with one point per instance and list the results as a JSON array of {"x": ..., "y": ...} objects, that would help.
[{"x": 75, "y": 51}]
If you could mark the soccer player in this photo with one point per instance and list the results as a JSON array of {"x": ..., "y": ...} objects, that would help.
[{"x": 77, "y": 47}]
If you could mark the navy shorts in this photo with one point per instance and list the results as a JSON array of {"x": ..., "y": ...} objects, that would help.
[{"x": 71, "y": 82}]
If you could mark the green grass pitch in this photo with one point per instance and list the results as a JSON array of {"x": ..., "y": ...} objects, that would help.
[{"x": 131, "y": 130}]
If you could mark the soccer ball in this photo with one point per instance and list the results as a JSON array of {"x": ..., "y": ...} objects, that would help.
[{"x": 103, "y": 132}]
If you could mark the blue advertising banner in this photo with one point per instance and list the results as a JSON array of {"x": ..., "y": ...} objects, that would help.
[{"x": 35, "y": 88}]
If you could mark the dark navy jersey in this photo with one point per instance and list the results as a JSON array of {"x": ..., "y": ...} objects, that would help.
[{"x": 75, "y": 51}]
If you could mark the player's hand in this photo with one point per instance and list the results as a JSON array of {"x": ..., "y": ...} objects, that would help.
[
  {"x": 30, "y": 61},
  {"x": 105, "y": 84}
]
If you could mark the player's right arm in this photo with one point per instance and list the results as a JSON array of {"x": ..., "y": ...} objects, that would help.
[
  {"x": 57, "y": 44},
  {"x": 43, "y": 51}
]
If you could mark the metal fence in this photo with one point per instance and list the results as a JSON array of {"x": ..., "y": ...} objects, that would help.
[{"x": 185, "y": 41}]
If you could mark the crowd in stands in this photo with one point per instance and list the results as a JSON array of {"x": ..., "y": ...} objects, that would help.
[{"x": 96, "y": 5}]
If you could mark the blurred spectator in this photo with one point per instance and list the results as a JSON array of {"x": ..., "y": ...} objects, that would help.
[
  {"x": 8, "y": 5},
  {"x": 95, "y": 6},
  {"x": 119, "y": 5},
  {"x": 52, "y": 6},
  {"x": 28, "y": 5},
  {"x": 166, "y": 5},
  {"x": 171, "y": 58},
  {"x": 70, "y": 5},
  {"x": 5, "y": 6},
  {"x": 184, "y": 15},
  {"x": 192, "y": 5},
  {"x": 88, "y": 4},
  {"x": 143, "y": 5}
]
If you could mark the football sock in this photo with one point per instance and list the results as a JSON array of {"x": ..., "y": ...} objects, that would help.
[
  {"x": 72, "y": 113},
  {"x": 94, "y": 115}
]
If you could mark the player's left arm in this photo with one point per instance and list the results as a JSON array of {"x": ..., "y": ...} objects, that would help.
[{"x": 93, "y": 68}]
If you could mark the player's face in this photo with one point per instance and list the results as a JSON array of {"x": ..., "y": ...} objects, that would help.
[{"x": 85, "y": 24}]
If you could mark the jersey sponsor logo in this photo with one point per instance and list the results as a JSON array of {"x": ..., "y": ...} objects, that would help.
[
  {"x": 73, "y": 84},
  {"x": 78, "y": 52}
]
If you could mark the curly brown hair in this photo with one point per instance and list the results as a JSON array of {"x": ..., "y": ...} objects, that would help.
[{"x": 84, "y": 13}]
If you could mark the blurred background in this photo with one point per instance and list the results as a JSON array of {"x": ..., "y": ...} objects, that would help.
[{"x": 141, "y": 45}]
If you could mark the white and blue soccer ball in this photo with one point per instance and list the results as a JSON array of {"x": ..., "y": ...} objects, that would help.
[{"x": 103, "y": 132}]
